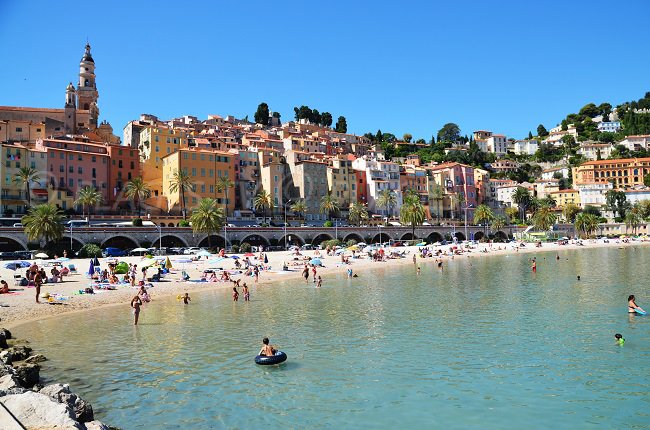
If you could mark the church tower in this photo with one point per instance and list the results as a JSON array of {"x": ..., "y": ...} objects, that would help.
[
  {"x": 70, "y": 123},
  {"x": 87, "y": 94}
]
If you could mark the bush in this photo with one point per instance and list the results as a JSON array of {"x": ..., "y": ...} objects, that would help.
[
  {"x": 331, "y": 243},
  {"x": 328, "y": 224},
  {"x": 184, "y": 223},
  {"x": 351, "y": 242},
  {"x": 235, "y": 249},
  {"x": 90, "y": 250},
  {"x": 245, "y": 247},
  {"x": 137, "y": 222},
  {"x": 264, "y": 224},
  {"x": 145, "y": 244},
  {"x": 618, "y": 219}
]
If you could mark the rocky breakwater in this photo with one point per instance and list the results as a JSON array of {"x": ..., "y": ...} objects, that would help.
[{"x": 26, "y": 404}]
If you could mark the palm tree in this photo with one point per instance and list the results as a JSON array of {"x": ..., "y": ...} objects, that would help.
[
  {"x": 358, "y": 213},
  {"x": 438, "y": 194},
  {"x": 548, "y": 201},
  {"x": 263, "y": 200},
  {"x": 181, "y": 182},
  {"x": 24, "y": 176},
  {"x": 222, "y": 186},
  {"x": 328, "y": 205},
  {"x": 43, "y": 223},
  {"x": 521, "y": 196},
  {"x": 460, "y": 199},
  {"x": 299, "y": 207},
  {"x": 511, "y": 213},
  {"x": 387, "y": 199},
  {"x": 570, "y": 211},
  {"x": 207, "y": 218},
  {"x": 483, "y": 214},
  {"x": 544, "y": 218},
  {"x": 586, "y": 223},
  {"x": 138, "y": 190},
  {"x": 633, "y": 219},
  {"x": 88, "y": 196},
  {"x": 412, "y": 212},
  {"x": 498, "y": 222}
]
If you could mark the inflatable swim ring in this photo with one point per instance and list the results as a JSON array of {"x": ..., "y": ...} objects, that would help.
[{"x": 278, "y": 358}]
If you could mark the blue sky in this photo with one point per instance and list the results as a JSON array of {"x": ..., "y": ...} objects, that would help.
[{"x": 408, "y": 66}]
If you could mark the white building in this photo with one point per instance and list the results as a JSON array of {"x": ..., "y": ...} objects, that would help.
[
  {"x": 609, "y": 126},
  {"x": 556, "y": 134},
  {"x": 497, "y": 144},
  {"x": 550, "y": 173},
  {"x": 637, "y": 195},
  {"x": 593, "y": 193},
  {"x": 634, "y": 143},
  {"x": 380, "y": 175},
  {"x": 528, "y": 147},
  {"x": 592, "y": 150}
]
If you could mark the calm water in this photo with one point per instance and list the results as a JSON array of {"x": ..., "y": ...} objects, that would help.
[{"x": 482, "y": 345}]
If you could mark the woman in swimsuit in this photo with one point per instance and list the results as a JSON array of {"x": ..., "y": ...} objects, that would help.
[
  {"x": 135, "y": 304},
  {"x": 631, "y": 305}
]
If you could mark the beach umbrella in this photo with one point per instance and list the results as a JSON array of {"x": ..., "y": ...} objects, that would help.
[
  {"x": 15, "y": 265},
  {"x": 91, "y": 269},
  {"x": 148, "y": 262},
  {"x": 215, "y": 260},
  {"x": 183, "y": 260},
  {"x": 61, "y": 259},
  {"x": 249, "y": 254},
  {"x": 353, "y": 248},
  {"x": 266, "y": 259},
  {"x": 368, "y": 248},
  {"x": 168, "y": 263},
  {"x": 96, "y": 262},
  {"x": 42, "y": 255},
  {"x": 421, "y": 244},
  {"x": 203, "y": 253},
  {"x": 234, "y": 257},
  {"x": 339, "y": 251},
  {"x": 316, "y": 262}
]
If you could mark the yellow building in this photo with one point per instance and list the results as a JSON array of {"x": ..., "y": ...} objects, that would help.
[
  {"x": 622, "y": 173},
  {"x": 272, "y": 176},
  {"x": 341, "y": 181},
  {"x": 565, "y": 197},
  {"x": 13, "y": 198},
  {"x": 21, "y": 131},
  {"x": 205, "y": 168}
]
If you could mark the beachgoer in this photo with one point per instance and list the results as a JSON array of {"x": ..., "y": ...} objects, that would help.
[
  {"x": 534, "y": 266},
  {"x": 418, "y": 272},
  {"x": 557, "y": 256},
  {"x": 319, "y": 283},
  {"x": 38, "y": 281},
  {"x": 235, "y": 294},
  {"x": 267, "y": 350},
  {"x": 186, "y": 299},
  {"x": 619, "y": 339},
  {"x": 414, "y": 259},
  {"x": 4, "y": 289},
  {"x": 144, "y": 295},
  {"x": 247, "y": 294},
  {"x": 305, "y": 273},
  {"x": 313, "y": 271},
  {"x": 632, "y": 306},
  {"x": 578, "y": 277},
  {"x": 256, "y": 272},
  {"x": 349, "y": 272},
  {"x": 135, "y": 304},
  {"x": 65, "y": 254}
]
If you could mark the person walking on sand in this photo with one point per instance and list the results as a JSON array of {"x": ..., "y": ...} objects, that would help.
[
  {"x": 136, "y": 303},
  {"x": 38, "y": 281}
]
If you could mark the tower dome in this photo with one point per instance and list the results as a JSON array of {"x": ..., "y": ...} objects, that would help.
[{"x": 87, "y": 56}]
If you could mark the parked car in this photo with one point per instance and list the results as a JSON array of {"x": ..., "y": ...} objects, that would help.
[
  {"x": 23, "y": 255},
  {"x": 113, "y": 252},
  {"x": 8, "y": 256},
  {"x": 17, "y": 224},
  {"x": 307, "y": 247}
]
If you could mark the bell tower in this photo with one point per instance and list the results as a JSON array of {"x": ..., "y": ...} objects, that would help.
[
  {"x": 70, "y": 109},
  {"x": 87, "y": 94}
]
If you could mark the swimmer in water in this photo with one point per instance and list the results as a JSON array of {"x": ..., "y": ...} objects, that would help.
[
  {"x": 186, "y": 299},
  {"x": 619, "y": 339},
  {"x": 418, "y": 270},
  {"x": 534, "y": 266},
  {"x": 632, "y": 306}
]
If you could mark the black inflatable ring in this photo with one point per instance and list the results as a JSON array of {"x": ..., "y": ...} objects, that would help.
[{"x": 278, "y": 358}]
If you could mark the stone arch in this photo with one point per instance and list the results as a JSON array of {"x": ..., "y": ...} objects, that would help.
[
  {"x": 170, "y": 240},
  {"x": 292, "y": 239},
  {"x": 255, "y": 240},
  {"x": 459, "y": 236},
  {"x": 321, "y": 238},
  {"x": 8, "y": 244},
  {"x": 407, "y": 236},
  {"x": 354, "y": 236},
  {"x": 381, "y": 238},
  {"x": 501, "y": 235},
  {"x": 435, "y": 237},
  {"x": 216, "y": 240},
  {"x": 121, "y": 242},
  {"x": 479, "y": 235},
  {"x": 162, "y": 224},
  {"x": 58, "y": 246}
]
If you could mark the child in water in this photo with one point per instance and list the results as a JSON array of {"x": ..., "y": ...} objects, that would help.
[
  {"x": 247, "y": 295},
  {"x": 619, "y": 339},
  {"x": 235, "y": 294},
  {"x": 186, "y": 299},
  {"x": 319, "y": 282}
]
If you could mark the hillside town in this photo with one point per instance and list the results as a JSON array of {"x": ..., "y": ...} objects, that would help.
[{"x": 303, "y": 167}]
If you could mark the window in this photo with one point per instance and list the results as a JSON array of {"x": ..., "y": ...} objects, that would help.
[
  {"x": 212, "y": 189},
  {"x": 211, "y": 173},
  {"x": 95, "y": 172},
  {"x": 80, "y": 170},
  {"x": 71, "y": 169},
  {"x": 119, "y": 164},
  {"x": 202, "y": 172},
  {"x": 157, "y": 148},
  {"x": 80, "y": 182},
  {"x": 62, "y": 156},
  {"x": 94, "y": 159},
  {"x": 19, "y": 129},
  {"x": 203, "y": 188},
  {"x": 80, "y": 157},
  {"x": 18, "y": 164},
  {"x": 33, "y": 164},
  {"x": 193, "y": 200},
  {"x": 71, "y": 182},
  {"x": 132, "y": 165},
  {"x": 128, "y": 176}
]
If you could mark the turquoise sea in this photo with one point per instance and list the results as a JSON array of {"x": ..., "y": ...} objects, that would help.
[{"x": 485, "y": 344}]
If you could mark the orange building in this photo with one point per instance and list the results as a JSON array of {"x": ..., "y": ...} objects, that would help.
[
  {"x": 124, "y": 165},
  {"x": 622, "y": 173}
]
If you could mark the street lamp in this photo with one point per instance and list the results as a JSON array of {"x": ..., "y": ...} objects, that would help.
[
  {"x": 159, "y": 239},
  {"x": 285, "y": 223},
  {"x": 379, "y": 227}
]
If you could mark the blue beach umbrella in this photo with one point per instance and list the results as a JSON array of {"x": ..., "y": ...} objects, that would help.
[
  {"x": 91, "y": 269},
  {"x": 96, "y": 262},
  {"x": 234, "y": 257},
  {"x": 15, "y": 265},
  {"x": 316, "y": 262}
]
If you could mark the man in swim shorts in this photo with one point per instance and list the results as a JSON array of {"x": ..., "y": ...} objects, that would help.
[{"x": 267, "y": 350}]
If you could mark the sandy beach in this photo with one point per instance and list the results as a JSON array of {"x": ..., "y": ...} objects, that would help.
[{"x": 19, "y": 306}]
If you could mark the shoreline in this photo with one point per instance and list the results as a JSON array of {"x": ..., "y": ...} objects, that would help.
[{"x": 23, "y": 310}]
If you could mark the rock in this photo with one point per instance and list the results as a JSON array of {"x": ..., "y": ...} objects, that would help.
[
  {"x": 27, "y": 374},
  {"x": 96, "y": 425},
  {"x": 20, "y": 352},
  {"x": 3, "y": 341},
  {"x": 35, "y": 358},
  {"x": 5, "y": 369},
  {"x": 17, "y": 390},
  {"x": 83, "y": 410},
  {"x": 6, "y": 332},
  {"x": 38, "y": 411},
  {"x": 8, "y": 382},
  {"x": 6, "y": 357}
]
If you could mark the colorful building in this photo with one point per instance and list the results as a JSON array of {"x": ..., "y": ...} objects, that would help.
[{"x": 622, "y": 173}]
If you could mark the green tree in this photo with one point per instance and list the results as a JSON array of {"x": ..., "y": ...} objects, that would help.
[
  {"x": 590, "y": 209},
  {"x": 570, "y": 211},
  {"x": 438, "y": 194},
  {"x": 498, "y": 222},
  {"x": 521, "y": 196},
  {"x": 541, "y": 131},
  {"x": 412, "y": 212},
  {"x": 633, "y": 219},
  {"x": 449, "y": 132},
  {"x": 43, "y": 223},
  {"x": 263, "y": 201},
  {"x": 299, "y": 207},
  {"x": 586, "y": 223},
  {"x": 590, "y": 110},
  {"x": 24, "y": 177},
  {"x": 329, "y": 205},
  {"x": 136, "y": 189},
  {"x": 180, "y": 183},
  {"x": 358, "y": 213},
  {"x": 644, "y": 208},
  {"x": 88, "y": 197},
  {"x": 543, "y": 218},
  {"x": 407, "y": 137},
  {"x": 223, "y": 183},
  {"x": 207, "y": 218},
  {"x": 646, "y": 180},
  {"x": 326, "y": 119},
  {"x": 548, "y": 201},
  {"x": 512, "y": 213},
  {"x": 483, "y": 215},
  {"x": 262, "y": 114},
  {"x": 387, "y": 200},
  {"x": 530, "y": 135},
  {"x": 617, "y": 202},
  {"x": 341, "y": 125}
]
